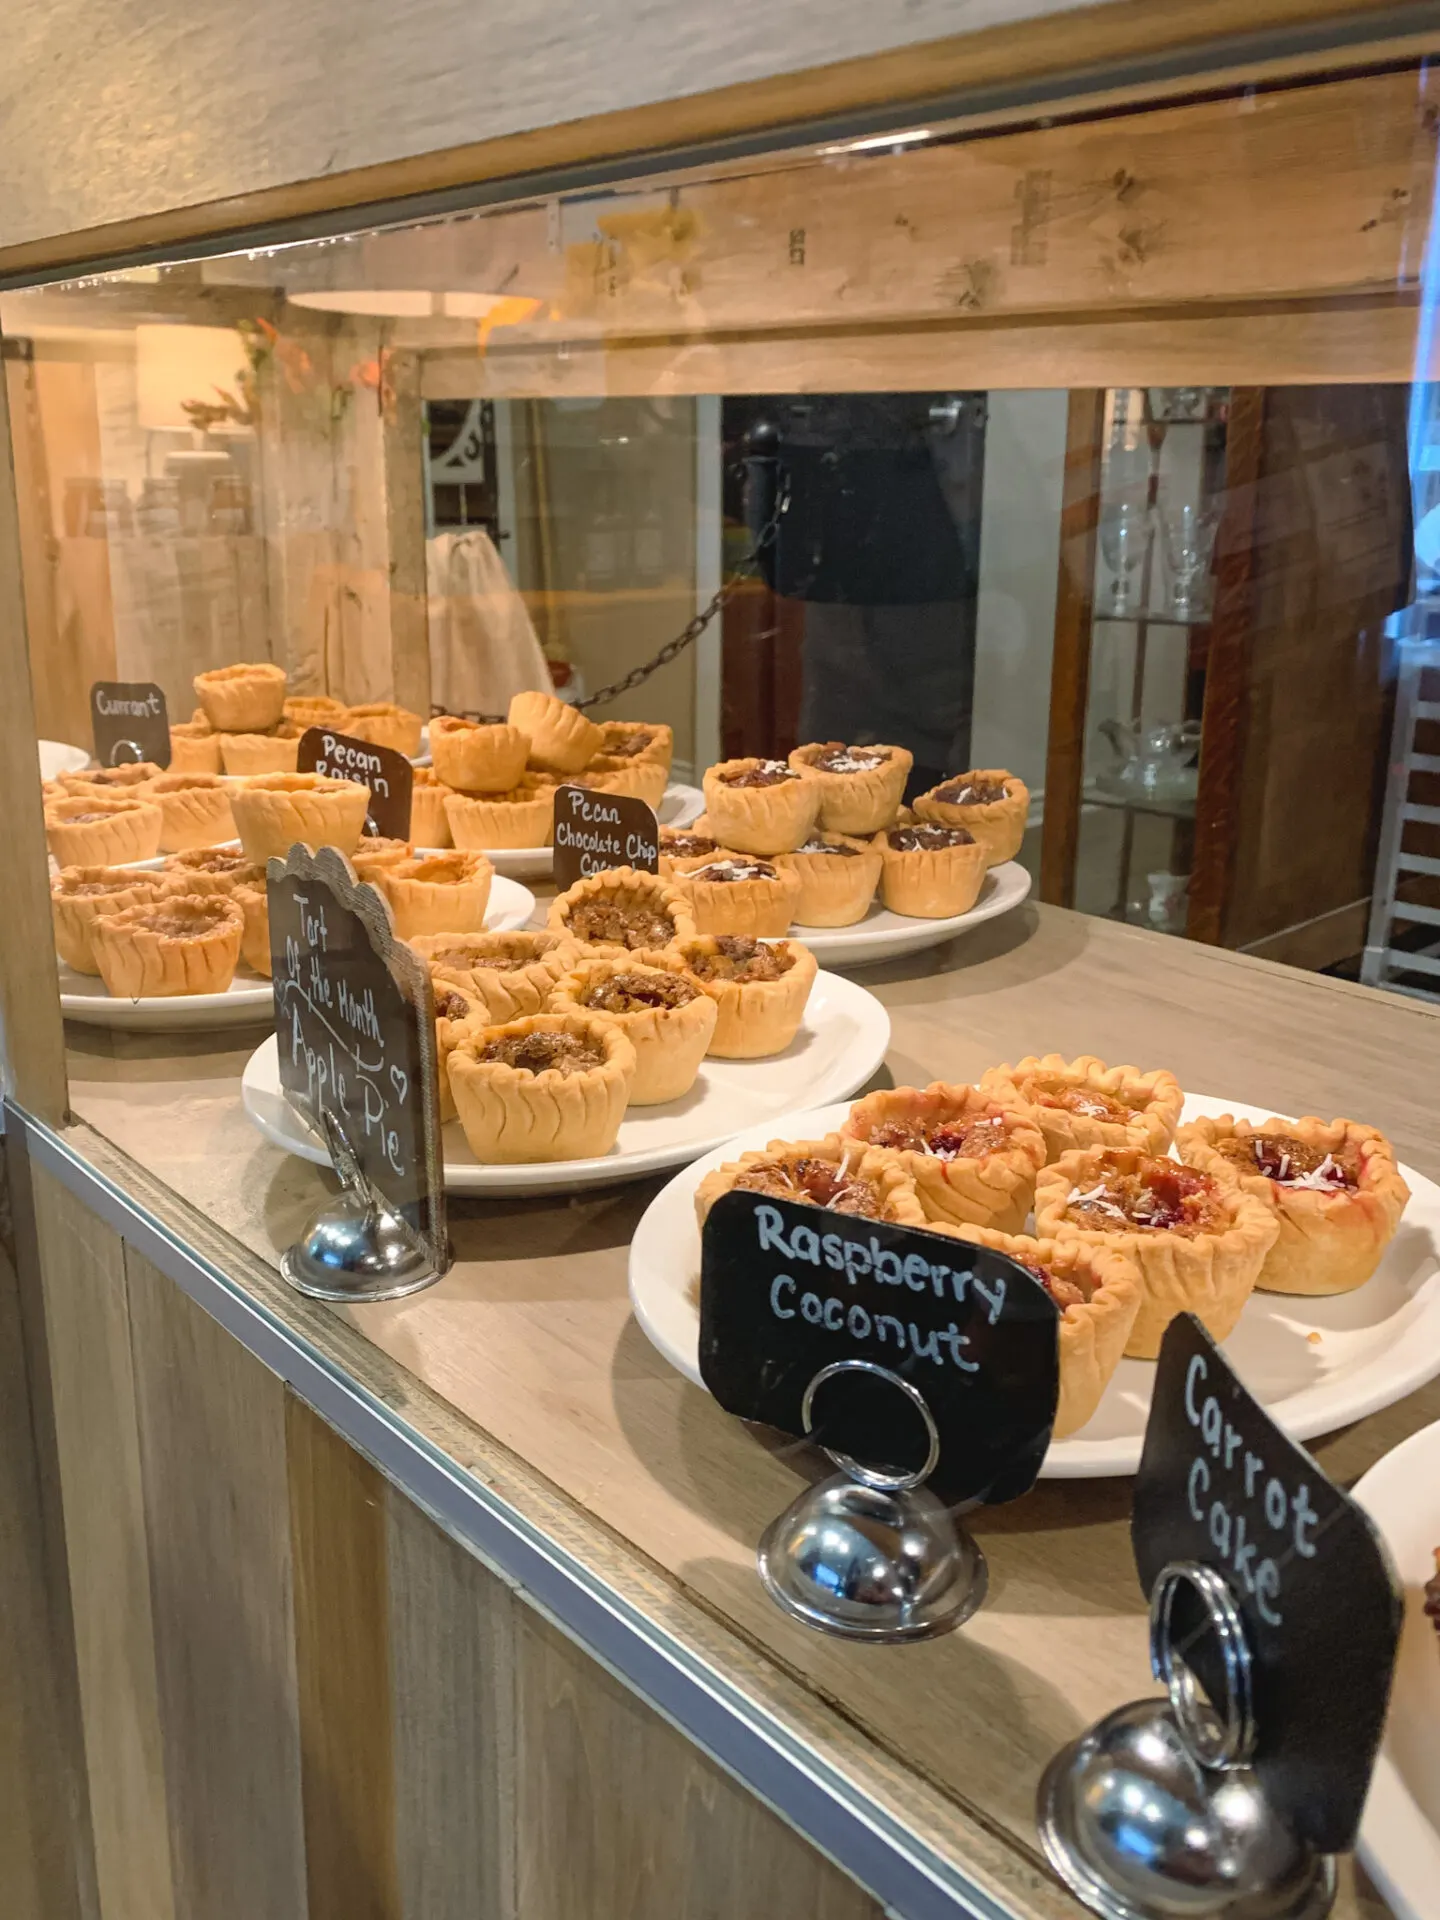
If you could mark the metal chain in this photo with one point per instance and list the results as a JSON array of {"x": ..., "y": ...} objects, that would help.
[{"x": 686, "y": 637}]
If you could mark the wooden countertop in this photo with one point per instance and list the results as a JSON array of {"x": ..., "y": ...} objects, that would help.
[{"x": 530, "y": 1338}]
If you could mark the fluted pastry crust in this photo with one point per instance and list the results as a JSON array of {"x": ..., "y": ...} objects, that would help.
[
  {"x": 993, "y": 1188},
  {"x": 1051, "y": 1085},
  {"x": 99, "y": 830},
  {"x": 930, "y": 883},
  {"x": 247, "y": 698},
  {"x": 458, "y": 1012},
  {"x": 373, "y": 854},
  {"x": 119, "y": 783},
  {"x": 429, "y": 822},
  {"x": 524, "y": 817},
  {"x": 79, "y": 894},
  {"x": 384, "y": 724},
  {"x": 248, "y": 754},
  {"x": 762, "y": 905},
  {"x": 561, "y": 738},
  {"x": 669, "y": 1042},
  {"x": 305, "y": 710},
  {"x": 763, "y": 820},
  {"x": 897, "y": 1200},
  {"x": 634, "y": 895},
  {"x": 999, "y": 825},
  {"x": 511, "y": 1116},
  {"x": 194, "y": 810},
  {"x": 252, "y": 896},
  {"x": 195, "y": 748},
  {"x": 836, "y": 889},
  {"x": 622, "y": 741},
  {"x": 1328, "y": 1241},
  {"x": 754, "y": 1018},
  {"x": 861, "y": 801},
  {"x": 641, "y": 779},
  {"x": 180, "y": 944},
  {"x": 475, "y": 757},
  {"x": 275, "y": 810},
  {"x": 522, "y": 971},
  {"x": 437, "y": 892}
]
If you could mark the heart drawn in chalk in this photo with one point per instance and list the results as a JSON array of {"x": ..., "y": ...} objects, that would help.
[{"x": 400, "y": 1080}]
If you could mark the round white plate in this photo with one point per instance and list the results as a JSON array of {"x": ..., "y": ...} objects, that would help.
[
  {"x": 1376, "y": 1344},
  {"x": 1400, "y": 1833},
  {"x": 678, "y": 807},
  {"x": 882, "y": 935},
  {"x": 248, "y": 1000},
  {"x": 841, "y": 1042},
  {"x": 57, "y": 757}
]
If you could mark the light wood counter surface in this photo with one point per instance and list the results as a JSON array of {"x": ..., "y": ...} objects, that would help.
[{"x": 530, "y": 1339}]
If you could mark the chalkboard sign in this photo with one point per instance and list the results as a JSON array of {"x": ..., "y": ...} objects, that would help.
[
  {"x": 388, "y": 774},
  {"x": 785, "y": 1289},
  {"x": 598, "y": 830},
  {"x": 129, "y": 722},
  {"x": 355, "y": 1031},
  {"x": 1222, "y": 1484}
]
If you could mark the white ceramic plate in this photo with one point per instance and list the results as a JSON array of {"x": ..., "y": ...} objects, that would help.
[
  {"x": 1376, "y": 1344},
  {"x": 840, "y": 1044},
  {"x": 1400, "y": 1834},
  {"x": 678, "y": 807},
  {"x": 882, "y": 935},
  {"x": 57, "y": 757},
  {"x": 247, "y": 1001}
]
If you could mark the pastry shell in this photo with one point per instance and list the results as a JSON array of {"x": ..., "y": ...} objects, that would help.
[
  {"x": 230, "y": 864},
  {"x": 762, "y": 905},
  {"x": 614, "y": 885},
  {"x": 761, "y": 820},
  {"x": 242, "y": 699},
  {"x": 861, "y": 802},
  {"x": 194, "y": 810},
  {"x": 458, "y": 1012},
  {"x": 78, "y": 895},
  {"x": 898, "y": 1199},
  {"x": 475, "y": 757},
  {"x": 1155, "y": 1100},
  {"x": 930, "y": 883},
  {"x": 836, "y": 889},
  {"x": 1327, "y": 1242},
  {"x": 1209, "y": 1274},
  {"x": 101, "y": 830},
  {"x": 640, "y": 779},
  {"x": 753, "y": 1018},
  {"x": 248, "y": 754},
  {"x": 277, "y": 809},
  {"x": 195, "y": 748},
  {"x": 253, "y": 899},
  {"x": 669, "y": 1042},
  {"x": 384, "y": 724},
  {"x": 373, "y": 854},
  {"x": 524, "y": 817},
  {"x": 122, "y": 782},
  {"x": 990, "y": 1190},
  {"x": 183, "y": 943},
  {"x": 305, "y": 710},
  {"x": 429, "y": 822},
  {"x": 437, "y": 892},
  {"x": 619, "y": 735},
  {"x": 999, "y": 825},
  {"x": 512, "y": 1116},
  {"x": 561, "y": 738},
  {"x": 1093, "y": 1332},
  {"x": 505, "y": 991}
]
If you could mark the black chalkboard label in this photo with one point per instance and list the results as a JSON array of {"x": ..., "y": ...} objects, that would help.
[
  {"x": 129, "y": 722},
  {"x": 355, "y": 1031},
  {"x": 598, "y": 830},
  {"x": 1222, "y": 1484},
  {"x": 785, "y": 1289},
  {"x": 388, "y": 774}
]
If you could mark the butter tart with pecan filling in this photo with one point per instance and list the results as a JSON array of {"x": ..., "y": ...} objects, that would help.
[
  {"x": 475, "y": 756},
  {"x": 739, "y": 893},
  {"x": 552, "y": 1086},
  {"x": 102, "y": 830},
  {"x": 929, "y": 872},
  {"x": 664, "y": 1013},
  {"x": 437, "y": 892},
  {"x": 860, "y": 787},
  {"x": 1084, "y": 1103},
  {"x": 683, "y": 846},
  {"x": 759, "y": 988},
  {"x": 1333, "y": 1186},
  {"x": 990, "y": 804},
  {"x": 78, "y": 895},
  {"x": 1197, "y": 1238},
  {"x": 182, "y": 943},
  {"x": 837, "y": 876},
  {"x": 622, "y": 910},
  {"x": 972, "y": 1157},
  {"x": 833, "y": 1173},
  {"x": 760, "y": 806},
  {"x": 511, "y": 974},
  {"x": 561, "y": 738}
]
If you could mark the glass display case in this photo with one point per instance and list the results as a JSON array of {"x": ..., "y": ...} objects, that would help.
[{"x": 998, "y": 551}]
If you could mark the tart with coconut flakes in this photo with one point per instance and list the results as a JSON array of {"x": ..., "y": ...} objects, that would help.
[
  {"x": 622, "y": 910},
  {"x": 475, "y": 756},
  {"x": 990, "y": 804},
  {"x": 760, "y": 989},
  {"x": 561, "y": 738},
  {"x": 837, "y": 876},
  {"x": 553, "y": 1086},
  {"x": 1084, "y": 1103},
  {"x": 78, "y": 895},
  {"x": 664, "y": 1013},
  {"x": 860, "y": 787},
  {"x": 682, "y": 847},
  {"x": 739, "y": 893},
  {"x": 102, "y": 830},
  {"x": 194, "y": 810},
  {"x": 437, "y": 892},
  {"x": 929, "y": 872},
  {"x": 1333, "y": 1186},
  {"x": 973, "y": 1158},
  {"x": 511, "y": 974},
  {"x": 833, "y": 1173},
  {"x": 181, "y": 944},
  {"x": 760, "y": 806},
  {"x": 1197, "y": 1239}
]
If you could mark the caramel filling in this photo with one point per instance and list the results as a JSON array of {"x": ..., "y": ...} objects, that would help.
[
  {"x": 840, "y": 759},
  {"x": 815, "y": 1183},
  {"x": 1086, "y": 1100},
  {"x": 545, "y": 1053},
  {"x": 1290, "y": 1162},
  {"x": 639, "y": 993},
  {"x": 1159, "y": 1196},
  {"x": 621, "y": 923},
  {"x": 740, "y": 958},
  {"x": 927, "y": 839},
  {"x": 966, "y": 792},
  {"x": 769, "y": 773},
  {"x": 957, "y": 1139},
  {"x": 180, "y": 922}
]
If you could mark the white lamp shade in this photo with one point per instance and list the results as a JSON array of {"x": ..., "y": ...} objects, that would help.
[{"x": 182, "y": 363}]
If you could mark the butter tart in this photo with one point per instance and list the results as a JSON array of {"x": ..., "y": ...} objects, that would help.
[
  {"x": 834, "y": 1173},
  {"x": 195, "y": 748},
  {"x": 739, "y": 893},
  {"x": 437, "y": 892},
  {"x": 760, "y": 989},
  {"x": 102, "y": 830},
  {"x": 242, "y": 699},
  {"x": 682, "y": 847},
  {"x": 990, "y": 804},
  {"x": 929, "y": 872},
  {"x": 183, "y": 943},
  {"x": 429, "y": 823},
  {"x": 511, "y": 974},
  {"x": 1098, "y": 1291},
  {"x": 553, "y": 1086},
  {"x": 524, "y": 817},
  {"x": 79, "y": 894},
  {"x": 1198, "y": 1240},
  {"x": 561, "y": 738},
  {"x": 760, "y": 806},
  {"x": 973, "y": 1158},
  {"x": 637, "y": 740},
  {"x": 1084, "y": 1103},
  {"x": 373, "y": 852},
  {"x": 124, "y": 780},
  {"x": 1332, "y": 1185},
  {"x": 305, "y": 710},
  {"x": 458, "y": 1011},
  {"x": 251, "y": 894},
  {"x": 622, "y": 910},
  {"x": 384, "y": 724},
  {"x": 476, "y": 757},
  {"x": 194, "y": 810},
  {"x": 275, "y": 810},
  {"x": 225, "y": 863},
  {"x": 860, "y": 787},
  {"x": 838, "y": 877},
  {"x": 640, "y": 779},
  {"x": 664, "y": 1013},
  {"x": 246, "y": 754}
]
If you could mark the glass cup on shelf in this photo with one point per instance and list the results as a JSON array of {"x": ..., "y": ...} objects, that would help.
[
  {"x": 1187, "y": 533},
  {"x": 1124, "y": 536}
]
